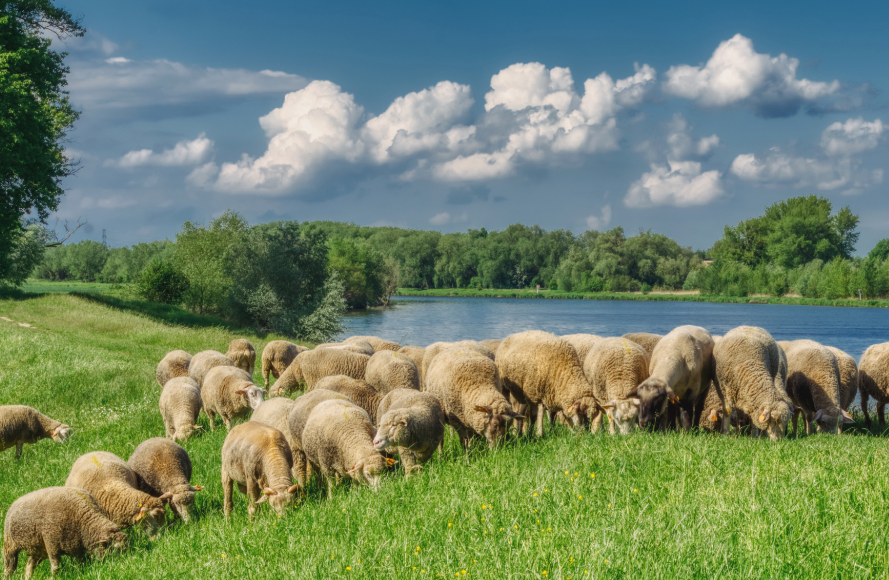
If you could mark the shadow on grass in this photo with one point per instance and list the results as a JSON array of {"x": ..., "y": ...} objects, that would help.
[{"x": 7, "y": 293}]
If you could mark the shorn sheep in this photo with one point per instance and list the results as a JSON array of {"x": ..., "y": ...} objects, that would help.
[
  {"x": 388, "y": 370},
  {"x": 873, "y": 381},
  {"x": 296, "y": 423},
  {"x": 163, "y": 470},
  {"x": 203, "y": 362},
  {"x": 242, "y": 354},
  {"x": 311, "y": 366},
  {"x": 646, "y": 340},
  {"x": 276, "y": 357},
  {"x": 813, "y": 384},
  {"x": 180, "y": 404},
  {"x": 20, "y": 424},
  {"x": 413, "y": 423},
  {"x": 175, "y": 364},
  {"x": 54, "y": 522},
  {"x": 257, "y": 458},
  {"x": 230, "y": 393},
  {"x": 614, "y": 368},
  {"x": 751, "y": 372}
]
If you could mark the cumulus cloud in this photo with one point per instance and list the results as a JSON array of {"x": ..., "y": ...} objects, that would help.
[
  {"x": 600, "y": 222},
  {"x": 445, "y": 218},
  {"x": 737, "y": 75},
  {"x": 683, "y": 145},
  {"x": 680, "y": 183},
  {"x": 852, "y": 137},
  {"x": 182, "y": 154}
]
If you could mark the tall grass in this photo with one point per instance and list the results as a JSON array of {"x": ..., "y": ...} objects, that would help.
[{"x": 572, "y": 505}]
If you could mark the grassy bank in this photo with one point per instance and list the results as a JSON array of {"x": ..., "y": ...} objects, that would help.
[
  {"x": 657, "y": 297},
  {"x": 570, "y": 506}
]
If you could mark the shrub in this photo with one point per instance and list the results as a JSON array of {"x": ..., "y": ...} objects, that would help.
[
  {"x": 163, "y": 283},
  {"x": 645, "y": 288}
]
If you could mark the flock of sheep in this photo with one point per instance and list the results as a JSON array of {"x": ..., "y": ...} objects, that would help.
[{"x": 367, "y": 399}]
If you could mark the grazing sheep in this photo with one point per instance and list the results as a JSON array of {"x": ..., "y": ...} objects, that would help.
[
  {"x": 313, "y": 365},
  {"x": 163, "y": 470},
  {"x": 491, "y": 344},
  {"x": 296, "y": 423},
  {"x": 751, "y": 371},
  {"x": 415, "y": 353},
  {"x": 376, "y": 342},
  {"x": 582, "y": 343},
  {"x": 646, "y": 340},
  {"x": 848, "y": 377},
  {"x": 114, "y": 485},
  {"x": 436, "y": 347},
  {"x": 20, "y": 424},
  {"x": 357, "y": 391},
  {"x": 338, "y": 442},
  {"x": 230, "y": 393},
  {"x": 54, "y": 522},
  {"x": 413, "y": 423},
  {"x": 175, "y": 364},
  {"x": 615, "y": 367},
  {"x": 813, "y": 384},
  {"x": 276, "y": 357},
  {"x": 388, "y": 370},
  {"x": 180, "y": 404},
  {"x": 873, "y": 380},
  {"x": 359, "y": 346},
  {"x": 680, "y": 372},
  {"x": 711, "y": 411},
  {"x": 541, "y": 369},
  {"x": 242, "y": 354},
  {"x": 274, "y": 413},
  {"x": 257, "y": 458},
  {"x": 467, "y": 384},
  {"x": 203, "y": 362}
]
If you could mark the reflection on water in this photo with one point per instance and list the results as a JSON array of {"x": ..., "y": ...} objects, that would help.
[{"x": 424, "y": 320}]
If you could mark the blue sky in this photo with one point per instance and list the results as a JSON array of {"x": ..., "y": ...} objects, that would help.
[{"x": 679, "y": 118}]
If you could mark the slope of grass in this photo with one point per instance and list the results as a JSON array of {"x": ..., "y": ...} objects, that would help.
[{"x": 569, "y": 506}]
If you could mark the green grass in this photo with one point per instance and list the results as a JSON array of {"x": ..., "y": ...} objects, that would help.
[
  {"x": 38, "y": 286},
  {"x": 557, "y": 294},
  {"x": 659, "y": 506}
]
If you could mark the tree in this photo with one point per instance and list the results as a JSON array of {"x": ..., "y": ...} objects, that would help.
[
  {"x": 361, "y": 269},
  {"x": 161, "y": 282},
  {"x": 27, "y": 253},
  {"x": 35, "y": 116},
  {"x": 880, "y": 251}
]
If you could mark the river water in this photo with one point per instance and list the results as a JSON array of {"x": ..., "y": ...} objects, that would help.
[{"x": 421, "y": 320}]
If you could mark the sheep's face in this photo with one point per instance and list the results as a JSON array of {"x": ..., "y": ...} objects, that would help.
[
  {"x": 494, "y": 421},
  {"x": 279, "y": 499},
  {"x": 624, "y": 413},
  {"x": 580, "y": 413},
  {"x": 392, "y": 430},
  {"x": 61, "y": 433},
  {"x": 152, "y": 520},
  {"x": 369, "y": 470},
  {"x": 116, "y": 540},
  {"x": 773, "y": 420},
  {"x": 253, "y": 396},
  {"x": 717, "y": 417},
  {"x": 181, "y": 504},
  {"x": 653, "y": 395}
]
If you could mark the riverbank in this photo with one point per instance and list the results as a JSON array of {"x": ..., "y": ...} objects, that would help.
[{"x": 653, "y": 296}]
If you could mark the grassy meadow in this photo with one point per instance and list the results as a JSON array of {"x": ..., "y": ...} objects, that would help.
[{"x": 573, "y": 505}]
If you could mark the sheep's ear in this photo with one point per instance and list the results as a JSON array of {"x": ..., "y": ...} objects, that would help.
[
  {"x": 167, "y": 496},
  {"x": 569, "y": 409},
  {"x": 263, "y": 499},
  {"x": 357, "y": 467},
  {"x": 672, "y": 396},
  {"x": 292, "y": 489},
  {"x": 513, "y": 415},
  {"x": 818, "y": 415},
  {"x": 240, "y": 392},
  {"x": 713, "y": 416},
  {"x": 280, "y": 390},
  {"x": 141, "y": 514},
  {"x": 765, "y": 416},
  {"x": 847, "y": 418},
  {"x": 390, "y": 462},
  {"x": 609, "y": 405},
  {"x": 269, "y": 491},
  {"x": 483, "y": 409},
  {"x": 403, "y": 422},
  {"x": 196, "y": 488},
  {"x": 634, "y": 392},
  {"x": 198, "y": 426}
]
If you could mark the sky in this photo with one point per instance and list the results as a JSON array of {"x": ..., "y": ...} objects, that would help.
[{"x": 675, "y": 117}]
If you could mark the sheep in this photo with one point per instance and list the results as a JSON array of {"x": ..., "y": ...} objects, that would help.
[
  {"x": 413, "y": 423},
  {"x": 230, "y": 393},
  {"x": 614, "y": 368},
  {"x": 311, "y": 366},
  {"x": 388, "y": 370},
  {"x": 175, "y": 364},
  {"x": 376, "y": 342},
  {"x": 646, "y": 340},
  {"x": 258, "y": 459},
  {"x": 338, "y": 442},
  {"x": 20, "y": 424},
  {"x": 873, "y": 380},
  {"x": 582, "y": 343},
  {"x": 539, "y": 368},
  {"x": 359, "y": 392},
  {"x": 680, "y": 372},
  {"x": 242, "y": 354},
  {"x": 491, "y": 344},
  {"x": 203, "y": 362},
  {"x": 114, "y": 485},
  {"x": 358, "y": 346},
  {"x": 813, "y": 384},
  {"x": 751, "y": 371},
  {"x": 54, "y": 522},
  {"x": 467, "y": 384},
  {"x": 436, "y": 347},
  {"x": 711, "y": 412},
  {"x": 415, "y": 353},
  {"x": 848, "y": 377},
  {"x": 163, "y": 470},
  {"x": 296, "y": 423},
  {"x": 274, "y": 413},
  {"x": 180, "y": 404},
  {"x": 276, "y": 357}
]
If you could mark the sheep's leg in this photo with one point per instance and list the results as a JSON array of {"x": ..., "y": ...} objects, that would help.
[
  {"x": 808, "y": 417},
  {"x": 227, "y": 421},
  {"x": 265, "y": 375},
  {"x": 18, "y": 449},
  {"x": 540, "y": 413},
  {"x": 864, "y": 405},
  {"x": 331, "y": 482},
  {"x": 54, "y": 563},
  {"x": 686, "y": 420},
  {"x": 33, "y": 562},
  {"x": 795, "y": 420},
  {"x": 10, "y": 561},
  {"x": 881, "y": 413},
  {"x": 611, "y": 426},
  {"x": 409, "y": 462},
  {"x": 299, "y": 467},
  {"x": 253, "y": 495},
  {"x": 596, "y": 422},
  {"x": 212, "y": 417},
  {"x": 227, "y": 502}
]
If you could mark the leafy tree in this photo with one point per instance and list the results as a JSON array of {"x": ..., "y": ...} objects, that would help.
[
  {"x": 361, "y": 269},
  {"x": 28, "y": 248},
  {"x": 35, "y": 117},
  {"x": 161, "y": 282},
  {"x": 880, "y": 251}
]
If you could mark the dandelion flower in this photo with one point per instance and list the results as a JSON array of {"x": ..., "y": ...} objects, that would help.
[
  {"x": 580, "y": 497},
  {"x": 450, "y": 524},
  {"x": 592, "y": 475},
  {"x": 348, "y": 568},
  {"x": 535, "y": 494},
  {"x": 575, "y": 474},
  {"x": 635, "y": 491},
  {"x": 223, "y": 554},
  {"x": 566, "y": 473}
]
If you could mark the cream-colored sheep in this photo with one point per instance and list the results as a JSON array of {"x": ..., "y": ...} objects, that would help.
[
  {"x": 54, "y": 522},
  {"x": 242, "y": 354},
  {"x": 296, "y": 423},
  {"x": 358, "y": 346},
  {"x": 230, "y": 393},
  {"x": 646, "y": 340},
  {"x": 388, "y": 370},
  {"x": 873, "y": 380},
  {"x": 751, "y": 373},
  {"x": 436, "y": 347},
  {"x": 257, "y": 458},
  {"x": 311, "y": 366},
  {"x": 582, "y": 343},
  {"x": 357, "y": 391},
  {"x": 415, "y": 353},
  {"x": 338, "y": 442},
  {"x": 175, "y": 364},
  {"x": 180, "y": 404},
  {"x": 541, "y": 369},
  {"x": 114, "y": 486},
  {"x": 413, "y": 423},
  {"x": 491, "y": 344},
  {"x": 274, "y": 413},
  {"x": 712, "y": 414},
  {"x": 813, "y": 383},
  {"x": 376, "y": 342},
  {"x": 848, "y": 377},
  {"x": 276, "y": 357},
  {"x": 203, "y": 362},
  {"x": 163, "y": 470},
  {"x": 615, "y": 367},
  {"x": 20, "y": 424},
  {"x": 467, "y": 384}
]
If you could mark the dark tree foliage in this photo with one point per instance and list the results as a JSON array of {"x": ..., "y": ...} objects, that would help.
[
  {"x": 880, "y": 251},
  {"x": 361, "y": 269},
  {"x": 162, "y": 282}
]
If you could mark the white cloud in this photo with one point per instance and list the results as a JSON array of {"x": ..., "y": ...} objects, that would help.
[
  {"x": 680, "y": 183},
  {"x": 595, "y": 222},
  {"x": 183, "y": 153},
  {"x": 853, "y": 136},
  {"x": 682, "y": 143},
  {"x": 736, "y": 75},
  {"x": 444, "y": 218}
]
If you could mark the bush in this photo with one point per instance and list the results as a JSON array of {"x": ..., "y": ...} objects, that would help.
[
  {"x": 645, "y": 288},
  {"x": 161, "y": 282}
]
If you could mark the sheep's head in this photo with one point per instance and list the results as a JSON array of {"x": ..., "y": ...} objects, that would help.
[
  {"x": 394, "y": 428},
  {"x": 181, "y": 501},
  {"x": 114, "y": 540},
  {"x": 280, "y": 499},
  {"x": 369, "y": 470},
  {"x": 773, "y": 419},
  {"x": 719, "y": 416},
  {"x": 582, "y": 411},
  {"x": 494, "y": 420},
  {"x": 152, "y": 519},
  {"x": 828, "y": 420},
  {"x": 252, "y": 395},
  {"x": 61, "y": 433},
  {"x": 653, "y": 395},
  {"x": 624, "y": 413}
]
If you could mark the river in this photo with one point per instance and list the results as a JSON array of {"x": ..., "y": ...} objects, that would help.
[{"x": 421, "y": 320}]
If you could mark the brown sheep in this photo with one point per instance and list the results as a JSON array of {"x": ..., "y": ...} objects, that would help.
[
  {"x": 203, "y": 362},
  {"x": 873, "y": 380},
  {"x": 646, "y": 340},
  {"x": 20, "y": 424},
  {"x": 276, "y": 357},
  {"x": 230, "y": 393},
  {"x": 615, "y": 367},
  {"x": 413, "y": 423},
  {"x": 163, "y": 470},
  {"x": 359, "y": 392},
  {"x": 175, "y": 364},
  {"x": 388, "y": 370},
  {"x": 296, "y": 423},
  {"x": 180, "y": 404},
  {"x": 813, "y": 383}
]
